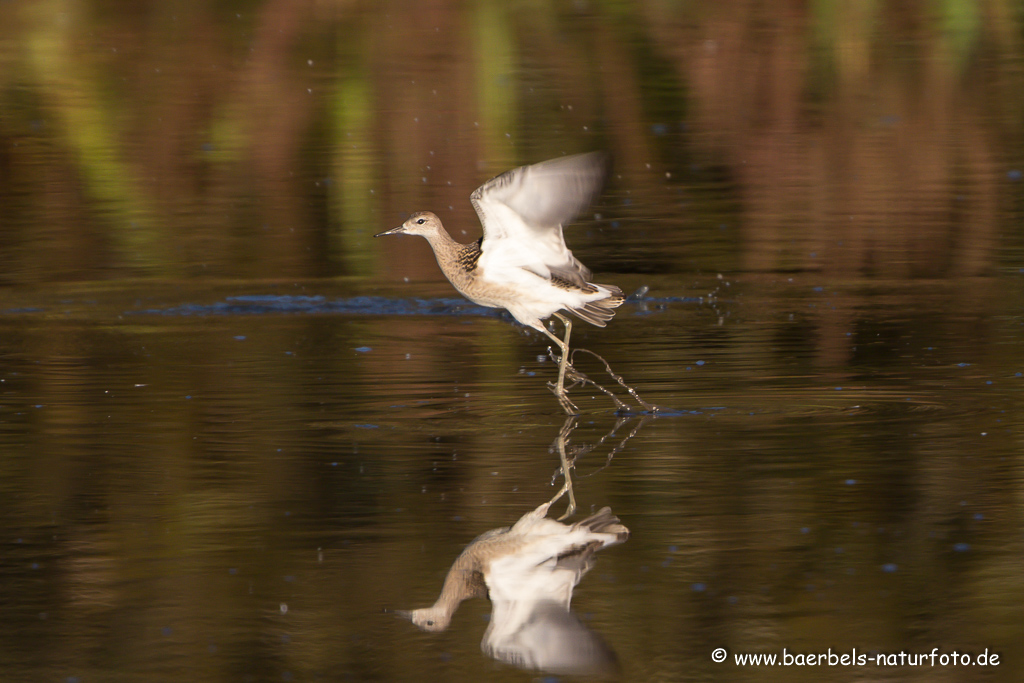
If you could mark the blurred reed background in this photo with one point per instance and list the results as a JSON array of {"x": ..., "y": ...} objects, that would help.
[{"x": 270, "y": 139}]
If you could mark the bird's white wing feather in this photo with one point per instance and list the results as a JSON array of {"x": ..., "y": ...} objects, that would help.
[{"x": 523, "y": 211}]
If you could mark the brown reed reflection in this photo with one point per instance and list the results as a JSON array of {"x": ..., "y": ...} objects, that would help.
[
  {"x": 847, "y": 139},
  {"x": 851, "y": 155},
  {"x": 529, "y": 571}
]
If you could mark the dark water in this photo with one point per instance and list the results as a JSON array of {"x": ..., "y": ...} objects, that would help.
[
  {"x": 234, "y": 430},
  {"x": 239, "y": 494}
]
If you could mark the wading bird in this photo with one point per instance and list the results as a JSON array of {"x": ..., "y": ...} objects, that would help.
[{"x": 521, "y": 263}]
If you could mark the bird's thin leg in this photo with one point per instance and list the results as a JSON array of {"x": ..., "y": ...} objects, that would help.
[
  {"x": 563, "y": 362},
  {"x": 565, "y": 351},
  {"x": 579, "y": 378},
  {"x": 566, "y": 488}
]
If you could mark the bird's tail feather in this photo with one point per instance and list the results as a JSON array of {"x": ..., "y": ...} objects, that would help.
[{"x": 599, "y": 312}]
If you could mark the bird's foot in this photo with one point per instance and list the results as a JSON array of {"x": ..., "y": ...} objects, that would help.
[
  {"x": 578, "y": 378},
  {"x": 563, "y": 399}
]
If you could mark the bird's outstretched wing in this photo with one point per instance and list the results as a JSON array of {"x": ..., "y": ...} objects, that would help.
[{"x": 523, "y": 211}]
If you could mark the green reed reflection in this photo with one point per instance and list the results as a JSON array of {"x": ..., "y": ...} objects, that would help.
[
  {"x": 860, "y": 138},
  {"x": 87, "y": 125}
]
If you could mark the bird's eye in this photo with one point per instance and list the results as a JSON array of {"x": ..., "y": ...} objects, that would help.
[
  {"x": 430, "y": 622},
  {"x": 421, "y": 221}
]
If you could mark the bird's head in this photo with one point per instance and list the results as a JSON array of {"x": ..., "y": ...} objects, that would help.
[
  {"x": 421, "y": 223},
  {"x": 427, "y": 618}
]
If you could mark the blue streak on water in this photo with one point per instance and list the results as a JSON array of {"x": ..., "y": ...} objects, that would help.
[
  {"x": 24, "y": 309},
  {"x": 308, "y": 305},
  {"x": 360, "y": 305}
]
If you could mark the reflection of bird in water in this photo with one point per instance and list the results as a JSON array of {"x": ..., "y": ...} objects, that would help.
[
  {"x": 561, "y": 445},
  {"x": 529, "y": 571},
  {"x": 521, "y": 263}
]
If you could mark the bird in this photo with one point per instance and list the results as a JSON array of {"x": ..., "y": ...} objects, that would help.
[
  {"x": 529, "y": 571},
  {"x": 521, "y": 262}
]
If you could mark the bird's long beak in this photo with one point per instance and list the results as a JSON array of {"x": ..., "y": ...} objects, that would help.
[
  {"x": 404, "y": 614},
  {"x": 393, "y": 231}
]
